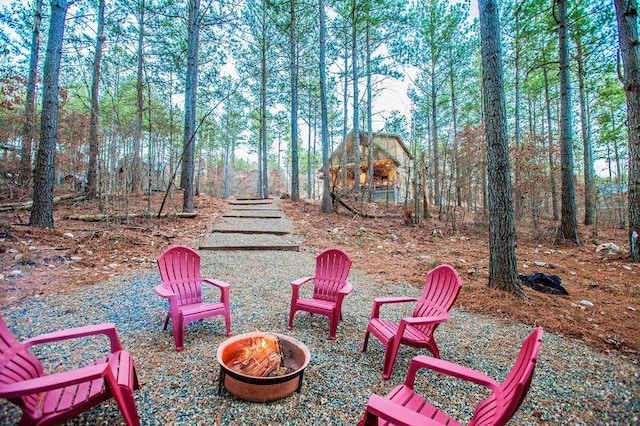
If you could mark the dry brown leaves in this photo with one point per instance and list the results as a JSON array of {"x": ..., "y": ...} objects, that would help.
[{"x": 78, "y": 253}]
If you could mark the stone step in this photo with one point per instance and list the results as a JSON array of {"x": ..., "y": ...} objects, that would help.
[
  {"x": 249, "y": 202},
  {"x": 250, "y": 231},
  {"x": 265, "y": 208},
  {"x": 253, "y": 216}
]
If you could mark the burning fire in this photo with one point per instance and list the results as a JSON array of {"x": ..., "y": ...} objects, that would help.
[
  {"x": 258, "y": 347},
  {"x": 261, "y": 357}
]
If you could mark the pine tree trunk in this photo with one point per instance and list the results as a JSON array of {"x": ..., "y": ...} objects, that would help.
[
  {"x": 226, "y": 164},
  {"x": 552, "y": 163},
  {"x": 616, "y": 153},
  {"x": 627, "y": 16},
  {"x": 315, "y": 152},
  {"x": 172, "y": 150},
  {"x": 370, "y": 174},
  {"x": 226, "y": 161},
  {"x": 516, "y": 120},
  {"x": 345, "y": 115},
  {"x": 587, "y": 150},
  {"x": 454, "y": 123},
  {"x": 28, "y": 128},
  {"x": 259, "y": 177},
  {"x": 356, "y": 118},
  {"x": 190, "y": 101},
  {"x": 437, "y": 197},
  {"x": 94, "y": 145},
  {"x": 569, "y": 217},
  {"x": 293, "y": 69},
  {"x": 425, "y": 187},
  {"x": 264, "y": 182},
  {"x": 502, "y": 232},
  {"x": 136, "y": 184},
  {"x": 309, "y": 153},
  {"x": 43, "y": 178}
]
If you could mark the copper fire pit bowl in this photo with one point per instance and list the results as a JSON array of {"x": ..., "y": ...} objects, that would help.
[{"x": 295, "y": 357}]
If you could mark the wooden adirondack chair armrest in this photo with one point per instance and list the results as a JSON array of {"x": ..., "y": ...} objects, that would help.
[
  {"x": 54, "y": 381},
  {"x": 388, "y": 300},
  {"x": 450, "y": 369},
  {"x": 434, "y": 319},
  {"x": 346, "y": 289},
  {"x": 216, "y": 283},
  {"x": 220, "y": 285},
  {"x": 380, "y": 301},
  {"x": 108, "y": 329},
  {"x": 164, "y": 291},
  {"x": 300, "y": 281},
  {"x": 395, "y": 413}
]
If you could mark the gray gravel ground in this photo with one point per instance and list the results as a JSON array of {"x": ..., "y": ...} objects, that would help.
[
  {"x": 572, "y": 384},
  {"x": 241, "y": 224}
]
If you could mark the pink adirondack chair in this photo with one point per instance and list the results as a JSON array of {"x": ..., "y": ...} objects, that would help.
[
  {"x": 441, "y": 288},
  {"x": 182, "y": 285},
  {"x": 402, "y": 406},
  {"x": 330, "y": 286},
  {"x": 47, "y": 399}
]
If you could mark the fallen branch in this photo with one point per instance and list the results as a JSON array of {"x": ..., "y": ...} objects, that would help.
[
  {"x": 121, "y": 216},
  {"x": 27, "y": 205},
  {"x": 355, "y": 211}
]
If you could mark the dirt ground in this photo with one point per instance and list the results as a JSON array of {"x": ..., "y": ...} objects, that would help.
[
  {"x": 80, "y": 253},
  {"x": 601, "y": 309}
]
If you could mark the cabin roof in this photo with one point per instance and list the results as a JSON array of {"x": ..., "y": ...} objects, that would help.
[{"x": 378, "y": 140}]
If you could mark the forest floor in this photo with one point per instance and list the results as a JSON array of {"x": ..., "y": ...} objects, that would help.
[{"x": 601, "y": 309}]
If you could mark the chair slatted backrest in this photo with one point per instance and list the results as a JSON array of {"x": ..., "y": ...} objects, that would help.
[
  {"x": 17, "y": 365},
  {"x": 180, "y": 271},
  {"x": 332, "y": 270},
  {"x": 500, "y": 406},
  {"x": 441, "y": 289}
]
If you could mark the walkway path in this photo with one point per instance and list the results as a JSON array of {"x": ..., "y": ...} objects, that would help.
[{"x": 252, "y": 225}]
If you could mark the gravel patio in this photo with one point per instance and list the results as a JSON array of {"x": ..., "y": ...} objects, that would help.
[{"x": 572, "y": 384}]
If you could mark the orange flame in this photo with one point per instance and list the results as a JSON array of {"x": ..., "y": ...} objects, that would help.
[{"x": 259, "y": 345}]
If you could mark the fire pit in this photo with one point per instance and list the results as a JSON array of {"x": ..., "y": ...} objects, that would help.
[{"x": 262, "y": 367}]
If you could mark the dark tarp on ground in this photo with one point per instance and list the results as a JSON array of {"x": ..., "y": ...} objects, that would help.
[{"x": 550, "y": 284}]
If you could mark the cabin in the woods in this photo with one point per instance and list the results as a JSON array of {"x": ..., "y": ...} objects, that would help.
[{"x": 391, "y": 162}]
